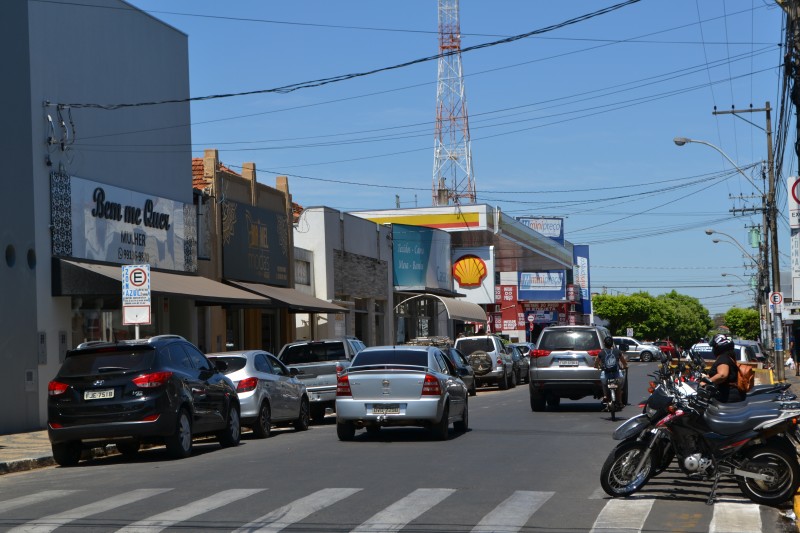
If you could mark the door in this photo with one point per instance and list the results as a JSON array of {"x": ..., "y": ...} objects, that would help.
[
  {"x": 288, "y": 388},
  {"x": 213, "y": 402},
  {"x": 271, "y": 387}
]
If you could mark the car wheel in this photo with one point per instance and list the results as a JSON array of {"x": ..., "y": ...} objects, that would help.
[
  {"x": 67, "y": 453},
  {"x": 513, "y": 383},
  {"x": 232, "y": 433},
  {"x": 553, "y": 401},
  {"x": 473, "y": 390},
  {"x": 439, "y": 430},
  {"x": 262, "y": 428},
  {"x": 538, "y": 402},
  {"x": 301, "y": 424},
  {"x": 502, "y": 383},
  {"x": 646, "y": 357},
  {"x": 463, "y": 425},
  {"x": 179, "y": 444},
  {"x": 318, "y": 413},
  {"x": 345, "y": 430},
  {"x": 128, "y": 448}
]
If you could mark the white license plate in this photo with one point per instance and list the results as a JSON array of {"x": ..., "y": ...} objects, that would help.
[
  {"x": 568, "y": 362},
  {"x": 98, "y": 394},
  {"x": 386, "y": 409}
]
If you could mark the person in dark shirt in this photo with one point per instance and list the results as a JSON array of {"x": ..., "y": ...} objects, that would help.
[{"x": 724, "y": 373}]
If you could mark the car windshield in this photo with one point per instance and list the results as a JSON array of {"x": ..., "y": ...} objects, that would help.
[
  {"x": 556, "y": 340},
  {"x": 107, "y": 361},
  {"x": 469, "y": 346},
  {"x": 313, "y": 352},
  {"x": 234, "y": 363},
  {"x": 391, "y": 357}
]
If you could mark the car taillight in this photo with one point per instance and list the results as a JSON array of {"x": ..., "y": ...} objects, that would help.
[
  {"x": 55, "y": 388},
  {"x": 247, "y": 384},
  {"x": 149, "y": 381},
  {"x": 343, "y": 386},
  {"x": 339, "y": 369},
  {"x": 593, "y": 353},
  {"x": 431, "y": 385},
  {"x": 499, "y": 361},
  {"x": 540, "y": 353}
]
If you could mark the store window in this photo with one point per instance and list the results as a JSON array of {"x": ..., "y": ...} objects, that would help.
[{"x": 100, "y": 319}]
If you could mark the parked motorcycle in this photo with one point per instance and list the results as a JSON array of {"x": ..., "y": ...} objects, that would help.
[{"x": 753, "y": 443}]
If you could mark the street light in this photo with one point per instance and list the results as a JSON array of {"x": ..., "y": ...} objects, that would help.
[{"x": 681, "y": 141}]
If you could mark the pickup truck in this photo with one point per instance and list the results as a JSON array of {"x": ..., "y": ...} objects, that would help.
[{"x": 319, "y": 363}]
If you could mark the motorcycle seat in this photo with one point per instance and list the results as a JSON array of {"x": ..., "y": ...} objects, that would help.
[{"x": 739, "y": 422}]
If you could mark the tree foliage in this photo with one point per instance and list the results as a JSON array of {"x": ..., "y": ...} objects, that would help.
[
  {"x": 744, "y": 323},
  {"x": 677, "y": 317}
]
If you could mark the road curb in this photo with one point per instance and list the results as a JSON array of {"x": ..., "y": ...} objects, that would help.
[{"x": 21, "y": 465}]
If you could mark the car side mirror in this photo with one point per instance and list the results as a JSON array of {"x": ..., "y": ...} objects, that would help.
[{"x": 293, "y": 371}]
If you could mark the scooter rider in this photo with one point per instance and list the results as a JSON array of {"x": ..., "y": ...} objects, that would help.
[
  {"x": 724, "y": 373},
  {"x": 611, "y": 362}
]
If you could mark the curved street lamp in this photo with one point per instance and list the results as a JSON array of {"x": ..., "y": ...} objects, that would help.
[{"x": 681, "y": 141}]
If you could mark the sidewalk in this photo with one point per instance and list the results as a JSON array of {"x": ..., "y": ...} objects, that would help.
[{"x": 26, "y": 451}]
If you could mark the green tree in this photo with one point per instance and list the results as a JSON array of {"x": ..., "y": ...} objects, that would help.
[{"x": 744, "y": 323}]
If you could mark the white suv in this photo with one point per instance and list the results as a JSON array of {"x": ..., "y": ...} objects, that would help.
[
  {"x": 638, "y": 351},
  {"x": 489, "y": 360}
]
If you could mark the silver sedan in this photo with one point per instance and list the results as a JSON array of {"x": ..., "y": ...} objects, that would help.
[
  {"x": 269, "y": 393},
  {"x": 401, "y": 386}
]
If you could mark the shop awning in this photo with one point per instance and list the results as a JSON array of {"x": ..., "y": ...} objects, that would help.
[
  {"x": 456, "y": 309},
  {"x": 76, "y": 278},
  {"x": 296, "y": 301}
]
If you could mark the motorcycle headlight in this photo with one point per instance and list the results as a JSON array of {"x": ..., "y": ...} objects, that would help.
[{"x": 649, "y": 411}]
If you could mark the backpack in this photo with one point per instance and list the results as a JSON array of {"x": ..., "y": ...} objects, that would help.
[
  {"x": 610, "y": 360},
  {"x": 746, "y": 378}
]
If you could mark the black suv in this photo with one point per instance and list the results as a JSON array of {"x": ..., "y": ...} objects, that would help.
[{"x": 160, "y": 390}]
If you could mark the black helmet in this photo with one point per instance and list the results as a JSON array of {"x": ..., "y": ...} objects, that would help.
[
  {"x": 720, "y": 344},
  {"x": 608, "y": 342}
]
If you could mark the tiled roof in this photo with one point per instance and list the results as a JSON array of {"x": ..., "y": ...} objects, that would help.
[{"x": 201, "y": 182}]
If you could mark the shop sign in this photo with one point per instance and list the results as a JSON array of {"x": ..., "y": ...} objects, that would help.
[
  {"x": 255, "y": 244},
  {"x": 420, "y": 258},
  {"x": 547, "y": 226},
  {"x": 543, "y": 285},
  {"x": 473, "y": 274}
]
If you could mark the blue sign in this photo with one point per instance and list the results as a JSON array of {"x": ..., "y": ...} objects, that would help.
[
  {"x": 543, "y": 286},
  {"x": 421, "y": 257},
  {"x": 581, "y": 276}
]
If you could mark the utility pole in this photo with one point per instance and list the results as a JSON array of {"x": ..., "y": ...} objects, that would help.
[{"x": 772, "y": 224}]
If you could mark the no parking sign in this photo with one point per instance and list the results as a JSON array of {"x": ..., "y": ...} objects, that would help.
[{"x": 794, "y": 201}]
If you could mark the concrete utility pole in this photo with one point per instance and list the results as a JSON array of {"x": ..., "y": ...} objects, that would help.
[{"x": 772, "y": 224}]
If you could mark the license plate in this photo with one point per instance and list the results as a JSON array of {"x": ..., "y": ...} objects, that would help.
[
  {"x": 568, "y": 362},
  {"x": 612, "y": 385},
  {"x": 386, "y": 409},
  {"x": 98, "y": 394}
]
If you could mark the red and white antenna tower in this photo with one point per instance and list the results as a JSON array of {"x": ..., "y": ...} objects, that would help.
[{"x": 452, "y": 160}]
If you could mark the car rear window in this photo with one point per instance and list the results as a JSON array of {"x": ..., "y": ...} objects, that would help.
[
  {"x": 314, "y": 352},
  {"x": 106, "y": 362},
  {"x": 234, "y": 363},
  {"x": 389, "y": 357},
  {"x": 469, "y": 346},
  {"x": 556, "y": 340}
]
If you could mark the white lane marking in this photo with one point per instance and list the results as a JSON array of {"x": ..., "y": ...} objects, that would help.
[
  {"x": 736, "y": 518},
  {"x": 162, "y": 521},
  {"x": 397, "y": 515},
  {"x": 623, "y": 516},
  {"x": 513, "y": 513},
  {"x": 49, "y": 523},
  {"x": 31, "y": 499},
  {"x": 296, "y": 511}
]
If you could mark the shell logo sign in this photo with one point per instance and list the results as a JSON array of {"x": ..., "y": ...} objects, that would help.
[{"x": 469, "y": 271}]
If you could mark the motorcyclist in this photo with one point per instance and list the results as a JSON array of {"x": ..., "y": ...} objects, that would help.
[
  {"x": 611, "y": 362},
  {"x": 724, "y": 373}
]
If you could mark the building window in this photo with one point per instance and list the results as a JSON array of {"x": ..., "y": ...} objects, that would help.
[{"x": 302, "y": 272}]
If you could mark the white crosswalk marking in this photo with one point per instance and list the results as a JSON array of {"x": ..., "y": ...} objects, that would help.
[
  {"x": 49, "y": 523},
  {"x": 735, "y": 518},
  {"x": 623, "y": 516},
  {"x": 32, "y": 499},
  {"x": 397, "y": 515},
  {"x": 296, "y": 511},
  {"x": 512, "y": 514},
  {"x": 161, "y": 521}
]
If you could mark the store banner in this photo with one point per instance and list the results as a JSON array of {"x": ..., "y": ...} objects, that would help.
[
  {"x": 547, "y": 285},
  {"x": 421, "y": 258},
  {"x": 548, "y": 226},
  {"x": 581, "y": 276}
]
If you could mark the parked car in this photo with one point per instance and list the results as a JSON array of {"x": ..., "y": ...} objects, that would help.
[
  {"x": 318, "y": 363},
  {"x": 269, "y": 393},
  {"x": 464, "y": 369},
  {"x": 522, "y": 364},
  {"x": 668, "y": 348},
  {"x": 158, "y": 390},
  {"x": 401, "y": 386},
  {"x": 638, "y": 351},
  {"x": 524, "y": 347},
  {"x": 562, "y": 365},
  {"x": 744, "y": 353},
  {"x": 489, "y": 359},
  {"x": 758, "y": 350}
]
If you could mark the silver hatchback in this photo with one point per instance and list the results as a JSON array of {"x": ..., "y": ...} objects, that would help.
[{"x": 269, "y": 393}]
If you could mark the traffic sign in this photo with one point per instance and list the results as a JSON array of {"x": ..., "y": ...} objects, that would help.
[
  {"x": 776, "y": 298},
  {"x": 136, "y": 294}
]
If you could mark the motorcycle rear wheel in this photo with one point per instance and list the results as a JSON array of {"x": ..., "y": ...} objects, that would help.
[
  {"x": 618, "y": 476},
  {"x": 776, "y": 462}
]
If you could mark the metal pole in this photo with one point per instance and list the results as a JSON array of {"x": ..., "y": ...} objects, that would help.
[{"x": 776, "y": 271}]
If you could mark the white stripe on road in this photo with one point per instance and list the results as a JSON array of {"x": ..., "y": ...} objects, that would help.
[
  {"x": 623, "y": 516},
  {"x": 31, "y": 499},
  {"x": 49, "y": 523},
  {"x": 296, "y": 511},
  {"x": 512, "y": 514},
  {"x": 742, "y": 517},
  {"x": 396, "y": 516},
  {"x": 162, "y": 521}
]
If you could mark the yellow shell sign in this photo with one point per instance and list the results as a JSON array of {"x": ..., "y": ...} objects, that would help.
[{"x": 469, "y": 271}]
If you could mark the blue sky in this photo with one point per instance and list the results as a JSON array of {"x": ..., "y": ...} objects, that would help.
[{"x": 576, "y": 122}]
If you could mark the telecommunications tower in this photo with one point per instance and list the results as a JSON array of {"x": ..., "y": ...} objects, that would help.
[{"x": 452, "y": 157}]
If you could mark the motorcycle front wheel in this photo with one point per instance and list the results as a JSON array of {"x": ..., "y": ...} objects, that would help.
[
  {"x": 775, "y": 462},
  {"x": 618, "y": 476}
]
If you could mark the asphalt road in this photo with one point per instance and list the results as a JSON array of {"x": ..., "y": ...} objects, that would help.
[{"x": 514, "y": 470}]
